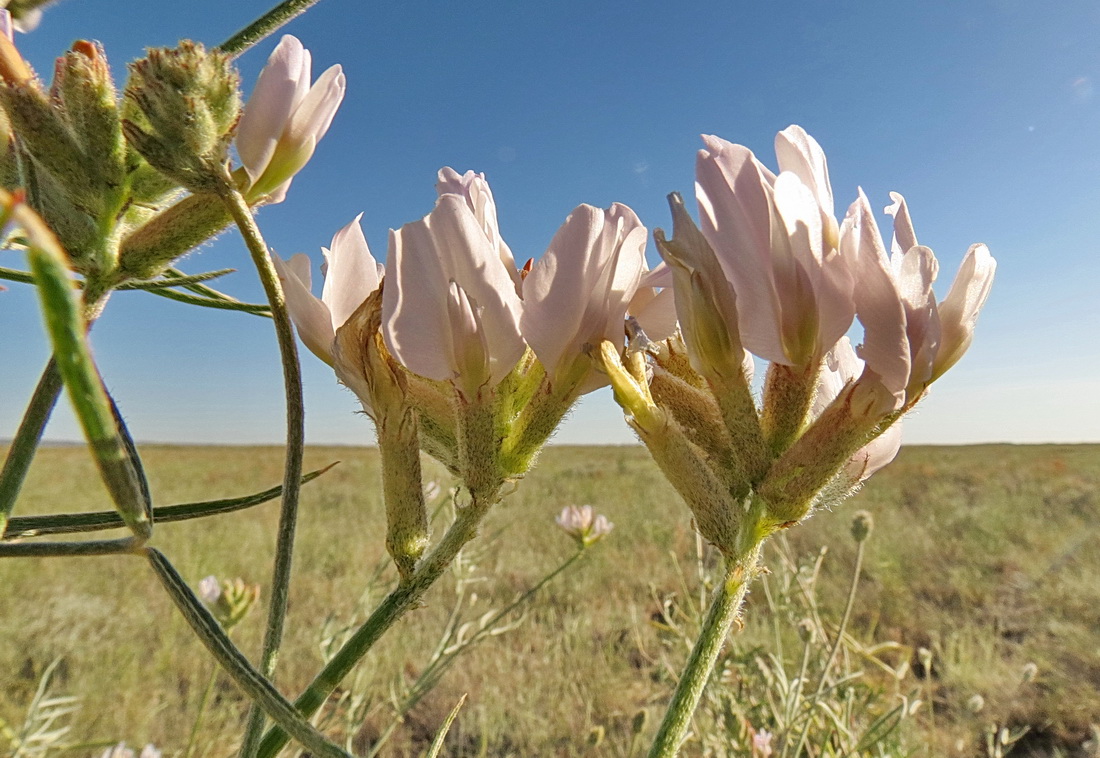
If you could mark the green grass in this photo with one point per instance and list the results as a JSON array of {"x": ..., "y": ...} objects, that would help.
[{"x": 987, "y": 556}]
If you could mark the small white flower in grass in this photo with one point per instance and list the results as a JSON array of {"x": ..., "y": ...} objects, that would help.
[
  {"x": 761, "y": 744},
  {"x": 285, "y": 118},
  {"x": 582, "y": 524},
  {"x": 210, "y": 589}
]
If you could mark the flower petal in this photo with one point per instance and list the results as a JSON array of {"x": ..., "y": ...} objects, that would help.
[
  {"x": 351, "y": 273},
  {"x": 885, "y": 345},
  {"x": 310, "y": 315},
  {"x": 800, "y": 153},
  {"x": 577, "y": 293},
  {"x": 739, "y": 219},
  {"x": 448, "y": 245},
  {"x": 959, "y": 310},
  {"x": 475, "y": 189},
  {"x": 277, "y": 93}
]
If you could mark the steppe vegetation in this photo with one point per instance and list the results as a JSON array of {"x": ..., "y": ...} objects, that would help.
[{"x": 977, "y": 597}]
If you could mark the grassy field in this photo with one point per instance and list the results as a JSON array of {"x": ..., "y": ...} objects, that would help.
[{"x": 983, "y": 560}]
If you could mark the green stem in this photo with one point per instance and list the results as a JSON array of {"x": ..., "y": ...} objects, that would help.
[
  {"x": 266, "y": 24},
  {"x": 823, "y": 679},
  {"x": 394, "y": 605},
  {"x": 25, "y": 443},
  {"x": 251, "y": 682},
  {"x": 95, "y": 521},
  {"x": 724, "y": 608},
  {"x": 68, "y": 549},
  {"x": 295, "y": 445},
  {"x": 193, "y": 738}
]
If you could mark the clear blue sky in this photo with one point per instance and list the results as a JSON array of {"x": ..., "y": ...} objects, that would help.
[{"x": 985, "y": 115}]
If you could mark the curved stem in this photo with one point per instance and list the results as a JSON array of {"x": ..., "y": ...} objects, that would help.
[
  {"x": 295, "y": 444},
  {"x": 258, "y": 688},
  {"x": 405, "y": 596},
  {"x": 723, "y": 611},
  {"x": 265, "y": 25},
  {"x": 27, "y": 438}
]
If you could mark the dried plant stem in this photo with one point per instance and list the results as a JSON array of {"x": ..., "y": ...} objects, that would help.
[
  {"x": 724, "y": 608},
  {"x": 405, "y": 596},
  {"x": 845, "y": 617},
  {"x": 295, "y": 445}
]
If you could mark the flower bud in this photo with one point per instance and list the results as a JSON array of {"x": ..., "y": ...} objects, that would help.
[
  {"x": 83, "y": 87},
  {"x": 182, "y": 105},
  {"x": 229, "y": 600},
  {"x": 806, "y": 630},
  {"x": 862, "y": 524}
]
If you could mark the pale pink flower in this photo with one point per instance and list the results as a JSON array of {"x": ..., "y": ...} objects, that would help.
[
  {"x": 761, "y": 743},
  {"x": 285, "y": 118},
  {"x": 210, "y": 589},
  {"x": 841, "y": 368},
  {"x": 577, "y": 293},
  {"x": 450, "y": 310},
  {"x": 777, "y": 241},
  {"x": 909, "y": 339},
  {"x": 583, "y": 524},
  {"x": 475, "y": 190},
  {"x": 653, "y": 305},
  {"x": 351, "y": 275}
]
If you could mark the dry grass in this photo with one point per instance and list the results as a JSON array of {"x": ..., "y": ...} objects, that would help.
[{"x": 987, "y": 556}]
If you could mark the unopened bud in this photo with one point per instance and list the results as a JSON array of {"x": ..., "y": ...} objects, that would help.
[
  {"x": 975, "y": 704},
  {"x": 83, "y": 87},
  {"x": 862, "y": 524},
  {"x": 182, "y": 105}
]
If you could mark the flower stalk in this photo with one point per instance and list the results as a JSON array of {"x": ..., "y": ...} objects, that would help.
[
  {"x": 295, "y": 443},
  {"x": 724, "y": 610}
]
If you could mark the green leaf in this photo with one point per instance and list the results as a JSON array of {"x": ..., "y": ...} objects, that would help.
[
  {"x": 69, "y": 523},
  {"x": 66, "y": 327}
]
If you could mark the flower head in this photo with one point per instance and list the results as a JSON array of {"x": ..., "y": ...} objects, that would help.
[
  {"x": 777, "y": 241},
  {"x": 285, "y": 118},
  {"x": 582, "y": 524},
  {"x": 450, "y": 310},
  {"x": 351, "y": 275},
  {"x": 909, "y": 339},
  {"x": 578, "y": 291}
]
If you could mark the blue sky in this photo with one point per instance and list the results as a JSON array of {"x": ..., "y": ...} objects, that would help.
[{"x": 985, "y": 115}]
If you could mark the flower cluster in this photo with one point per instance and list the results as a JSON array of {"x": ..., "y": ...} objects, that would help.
[
  {"x": 583, "y": 524},
  {"x": 490, "y": 356},
  {"x": 772, "y": 273}
]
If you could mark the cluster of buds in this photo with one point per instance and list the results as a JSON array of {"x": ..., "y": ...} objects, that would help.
[
  {"x": 111, "y": 175},
  {"x": 773, "y": 274},
  {"x": 462, "y": 353},
  {"x": 229, "y": 600}
]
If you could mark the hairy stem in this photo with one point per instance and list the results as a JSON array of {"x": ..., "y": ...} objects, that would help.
[
  {"x": 724, "y": 608},
  {"x": 295, "y": 445},
  {"x": 266, "y": 24}
]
